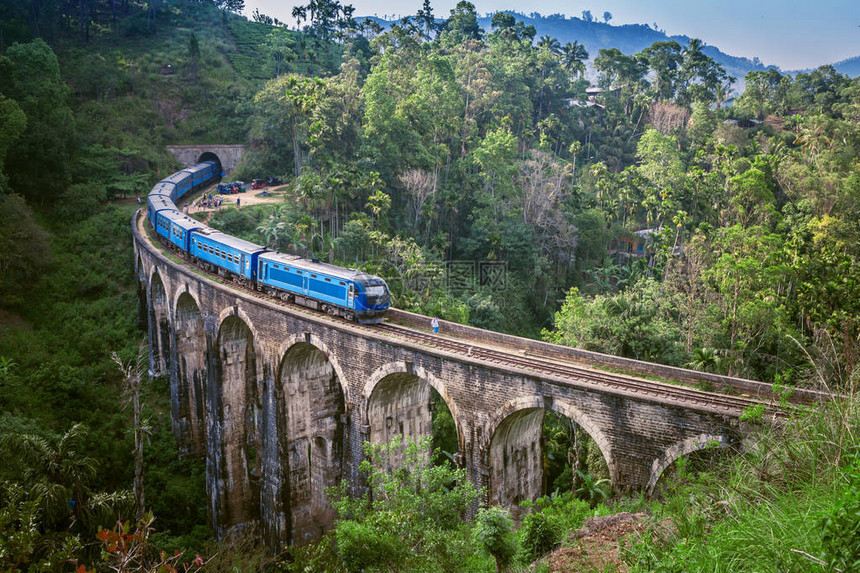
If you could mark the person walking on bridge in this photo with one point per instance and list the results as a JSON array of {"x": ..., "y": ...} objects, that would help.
[{"x": 435, "y": 324}]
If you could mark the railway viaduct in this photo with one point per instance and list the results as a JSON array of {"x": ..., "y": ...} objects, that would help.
[{"x": 279, "y": 401}]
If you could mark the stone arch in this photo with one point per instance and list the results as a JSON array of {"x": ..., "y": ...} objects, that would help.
[
  {"x": 188, "y": 377},
  {"x": 233, "y": 418},
  {"x": 514, "y": 452},
  {"x": 603, "y": 444},
  {"x": 407, "y": 371},
  {"x": 516, "y": 458},
  {"x": 211, "y": 156},
  {"x": 680, "y": 449},
  {"x": 310, "y": 426},
  {"x": 238, "y": 312},
  {"x": 320, "y": 344},
  {"x": 159, "y": 324}
]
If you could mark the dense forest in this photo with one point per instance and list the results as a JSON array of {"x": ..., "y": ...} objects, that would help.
[{"x": 490, "y": 184}]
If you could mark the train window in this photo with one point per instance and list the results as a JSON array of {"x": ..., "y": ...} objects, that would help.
[
  {"x": 223, "y": 255},
  {"x": 313, "y": 276},
  {"x": 342, "y": 283},
  {"x": 276, "y": 266},
  {"x": 377, "y": 290},
  {"x": 298, "y": 271},
  {"x": 328, "y": 280}
]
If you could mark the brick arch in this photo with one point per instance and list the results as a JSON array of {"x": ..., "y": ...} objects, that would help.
[
  {"x": 140, "y": 268},
  {"x": 310, "y": 422},
  {"x": 502, "y": 414},
  {"x": 234, "y": 409},
  {"x": 514, "y": 456},
  {"x": 165, "y": 280},
  {"x": 401, "y": 367},
  {"x": 408, "y": 373},
  {"x": 189, "y": 372},
  {"x": 159, "y": 320},
  {"x": 580, "y": 419},
  {"x": 184, "y": 289},
  {"x": 239, "y": 313},
  {"x": 681, "y": 449},
  {"x": 517, "y": 411},
  {"x": 321, "y": 345}
]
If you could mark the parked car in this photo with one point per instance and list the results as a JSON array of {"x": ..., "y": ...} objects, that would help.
[{"x": 258, "y": 183}]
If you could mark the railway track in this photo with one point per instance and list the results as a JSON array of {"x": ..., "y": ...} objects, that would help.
[
  {"x": 604, "y": 380},
  {"x": 647, "y": 389}
]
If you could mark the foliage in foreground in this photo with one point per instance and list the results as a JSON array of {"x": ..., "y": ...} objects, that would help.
[
  {"x": 788, "y": 503},
  {"x": 412, "y": 517}
]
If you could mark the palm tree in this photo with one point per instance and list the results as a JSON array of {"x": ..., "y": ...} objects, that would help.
[
  {"x": 56, "y": 473},
  {"x": 591, "y": 489},
  {"x": 272, "y": 229},
  {"x": 550, "y": 44},
  {"x": 573, "y": 58}
]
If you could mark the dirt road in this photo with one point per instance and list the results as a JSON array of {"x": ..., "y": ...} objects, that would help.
[{"x": 248, "y": 198}]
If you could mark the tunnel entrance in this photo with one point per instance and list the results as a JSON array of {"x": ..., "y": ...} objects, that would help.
[{"x": 209, "y": 156}]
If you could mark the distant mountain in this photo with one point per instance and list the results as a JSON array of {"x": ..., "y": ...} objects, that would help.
[
  {"x": 849, "y": 67},
  {"x": 632, "y": 38}
]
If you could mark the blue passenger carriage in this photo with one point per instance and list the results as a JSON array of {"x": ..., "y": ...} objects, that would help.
[
  {"x": 179, "y": 227},
  {"x": 163, "y": 188},
  {"x": 181, "y": 182},
  {"x": 230, "y": 257},
  {"x": 201, "y": 173},
  {"x": 156, "y": 204}
]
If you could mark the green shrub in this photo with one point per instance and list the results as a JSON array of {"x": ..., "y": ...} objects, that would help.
[
  {"x": 540, "y": 533},
  {"x": 841, "y": 529}
]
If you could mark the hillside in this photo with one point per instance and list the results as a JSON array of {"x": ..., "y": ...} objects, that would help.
[{"x": 632, "y": 38}]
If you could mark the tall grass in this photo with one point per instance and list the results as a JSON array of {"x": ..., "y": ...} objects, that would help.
[{"x": 764, "y": 509}]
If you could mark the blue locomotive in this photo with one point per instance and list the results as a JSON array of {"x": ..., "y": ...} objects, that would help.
[{"x": 335, "y": 290}]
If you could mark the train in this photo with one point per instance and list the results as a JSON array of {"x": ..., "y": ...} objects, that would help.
[{"x": 338, "y": 291}]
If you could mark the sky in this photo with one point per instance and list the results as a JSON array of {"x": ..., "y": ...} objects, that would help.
[{"x": 791, "y": 34}]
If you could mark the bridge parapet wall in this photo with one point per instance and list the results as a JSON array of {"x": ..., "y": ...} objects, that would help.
[{"x": 717, "y": 382}]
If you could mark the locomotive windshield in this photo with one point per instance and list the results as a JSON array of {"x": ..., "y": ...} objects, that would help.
[{"x": 376, "y": 290}]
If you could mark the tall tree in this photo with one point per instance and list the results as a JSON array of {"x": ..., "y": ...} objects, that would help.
[
  {"x": 39, "y": 165},
  {"x": 574, "y": 56}
]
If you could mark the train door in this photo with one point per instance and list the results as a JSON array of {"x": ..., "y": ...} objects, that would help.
[
  {"x": 350, "y": 299},
  {"x": 306, "y": 283}
]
